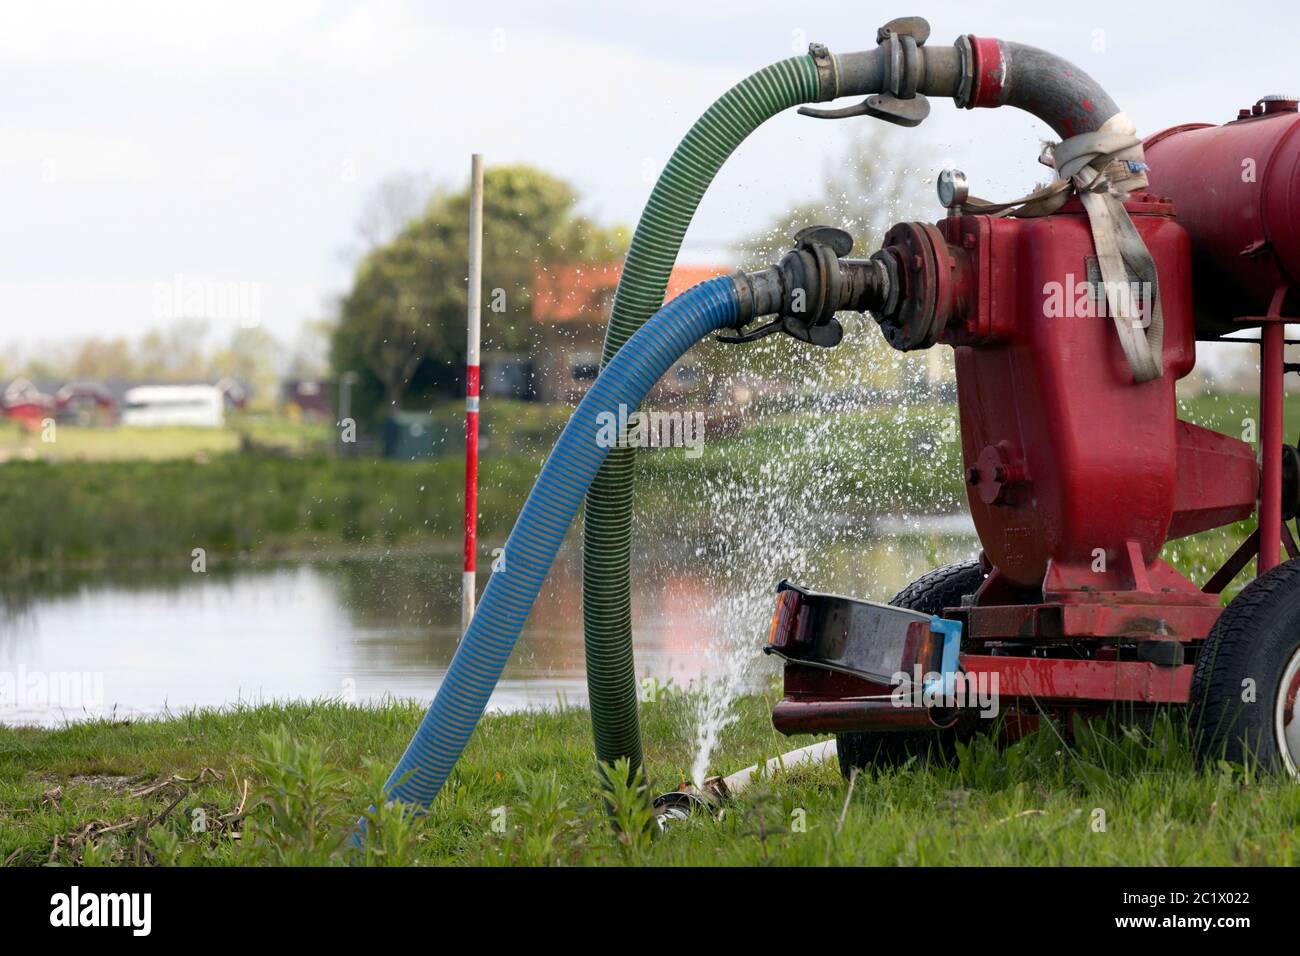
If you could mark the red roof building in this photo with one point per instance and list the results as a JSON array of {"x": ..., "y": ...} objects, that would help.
[
  {"x": 571, "y": 307},
  {"x": 27, "y": 405}
]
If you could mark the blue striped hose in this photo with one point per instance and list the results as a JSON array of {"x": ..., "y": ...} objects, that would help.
[{"x": 540, "y": 529}]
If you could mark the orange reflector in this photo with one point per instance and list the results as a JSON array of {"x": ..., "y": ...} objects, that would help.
[{"x": 784, "y": 619}]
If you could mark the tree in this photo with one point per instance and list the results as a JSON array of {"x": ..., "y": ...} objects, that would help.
[
  {"x": 99, "y": 360},
  {"x": 402, "y": 325},
  {"x": 391, "y": 206},
  {"x": 173, "y": 353},
  {"x": 252, "y": 357},
  {"x": 309, "y": 353}
]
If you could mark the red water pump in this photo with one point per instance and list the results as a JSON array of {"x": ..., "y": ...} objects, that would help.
[{"x": 1077, "y": 467}]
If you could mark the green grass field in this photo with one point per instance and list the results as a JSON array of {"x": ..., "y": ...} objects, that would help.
[
  {"x": 510, "y": 427},
  {"x": 284, "y": 784},
  {"x": 76, "y": 443},
  {"x": 140, "y": 512},
  {"x": 261, "y": 485}
]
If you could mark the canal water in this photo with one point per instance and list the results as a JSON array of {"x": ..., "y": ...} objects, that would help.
[{"x": 127, "y": 643}]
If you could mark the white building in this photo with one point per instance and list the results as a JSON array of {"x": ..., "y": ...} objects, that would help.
[{"x": 199, "y": 406}]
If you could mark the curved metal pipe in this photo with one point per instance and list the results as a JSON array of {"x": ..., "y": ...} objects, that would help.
[
  {"x": 1044, "y": 84},
  {"x": 978, "y": 72}
]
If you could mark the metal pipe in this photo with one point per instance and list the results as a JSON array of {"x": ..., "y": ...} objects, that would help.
[
  {"x": 834, "y": 716},
  {"x": 983, "y": 72},
  {"x": 1001, "y": 73},
  {"x": 679, "y": 804}
]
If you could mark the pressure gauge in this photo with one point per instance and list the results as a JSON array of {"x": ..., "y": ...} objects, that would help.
[{"x": 953, "y": 190}]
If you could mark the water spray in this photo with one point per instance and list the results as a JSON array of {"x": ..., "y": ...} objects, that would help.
[{"x": 799, "y": 296}]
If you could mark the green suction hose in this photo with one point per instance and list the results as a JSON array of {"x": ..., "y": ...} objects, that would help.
[{"x": 606, "y": 565}]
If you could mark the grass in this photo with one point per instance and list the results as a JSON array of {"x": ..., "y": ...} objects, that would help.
[
  {"x": 78, "y": 443},
  {"x": 158, "y": 509},
  {"x": 508, "y": 427},
  {"x": 140, "y": 511},
  {"x": 283, "y": 783}
]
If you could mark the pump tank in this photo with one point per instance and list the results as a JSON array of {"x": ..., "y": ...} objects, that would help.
[
  {"x": 1236, "y": 190},
  {"x": 1076, "y": 473}
]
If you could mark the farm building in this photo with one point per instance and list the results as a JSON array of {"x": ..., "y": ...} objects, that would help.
[
  {"x": 27, "y": 404},
  {"x": 571, "y": 306}
]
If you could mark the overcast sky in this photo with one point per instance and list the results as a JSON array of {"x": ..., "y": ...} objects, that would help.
[{"x": 147, "y": 143}]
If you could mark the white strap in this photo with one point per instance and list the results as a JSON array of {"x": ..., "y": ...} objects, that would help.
[{"x": 1102, "y": 168}]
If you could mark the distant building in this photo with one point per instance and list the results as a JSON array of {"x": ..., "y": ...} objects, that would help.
[
  {"x": 26, "y": 404},
  {"x": 571, "y": 307},
  {"x": 85, "y": 403},
  {"x": 96, "y": 403},
  {"x": 307, "y": 399},
  {"x": 152, "y": 406},
  {"x": 234, "y": 393}
]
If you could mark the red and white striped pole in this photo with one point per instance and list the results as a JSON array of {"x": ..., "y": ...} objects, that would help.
[{"x": 475, "y": 298}]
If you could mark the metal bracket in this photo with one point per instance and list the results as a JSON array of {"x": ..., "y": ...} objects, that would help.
[
  {"x": 825, "y": 336},
  {"x": 843, "y": 634},
  {"x": 951, "y": 656}
]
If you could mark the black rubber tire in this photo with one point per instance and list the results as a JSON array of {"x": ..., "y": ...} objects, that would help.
[
  {"x": 1253, "y": 640},
  {"x": 929, "y": 594}
]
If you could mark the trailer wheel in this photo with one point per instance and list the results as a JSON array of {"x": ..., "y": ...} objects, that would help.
[
  {"x": 929, "y": 594},
  {"x": 1244, "y": 687}
]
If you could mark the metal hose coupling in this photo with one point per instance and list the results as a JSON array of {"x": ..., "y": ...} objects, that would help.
[
  {"x": 807, "y": 287},
  {"x": 687, "y": 801}
]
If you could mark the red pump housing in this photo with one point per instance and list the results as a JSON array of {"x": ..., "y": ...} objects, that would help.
[{"x": 1076, "y": 473}]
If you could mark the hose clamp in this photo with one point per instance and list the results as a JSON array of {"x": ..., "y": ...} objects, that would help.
[
  {"x": 988, "y": 73},
  {"x": 901, "y": 40},
  {"x": 966, "y": 57},
  {"x": 744, "y": 298},
  {"x": 828, "y": 72}
]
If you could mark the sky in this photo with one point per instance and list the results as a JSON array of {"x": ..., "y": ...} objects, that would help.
[{"x": 150, "y": 148}]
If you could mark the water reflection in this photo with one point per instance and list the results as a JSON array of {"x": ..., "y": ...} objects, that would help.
[{"x": 145, "y": 641}]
